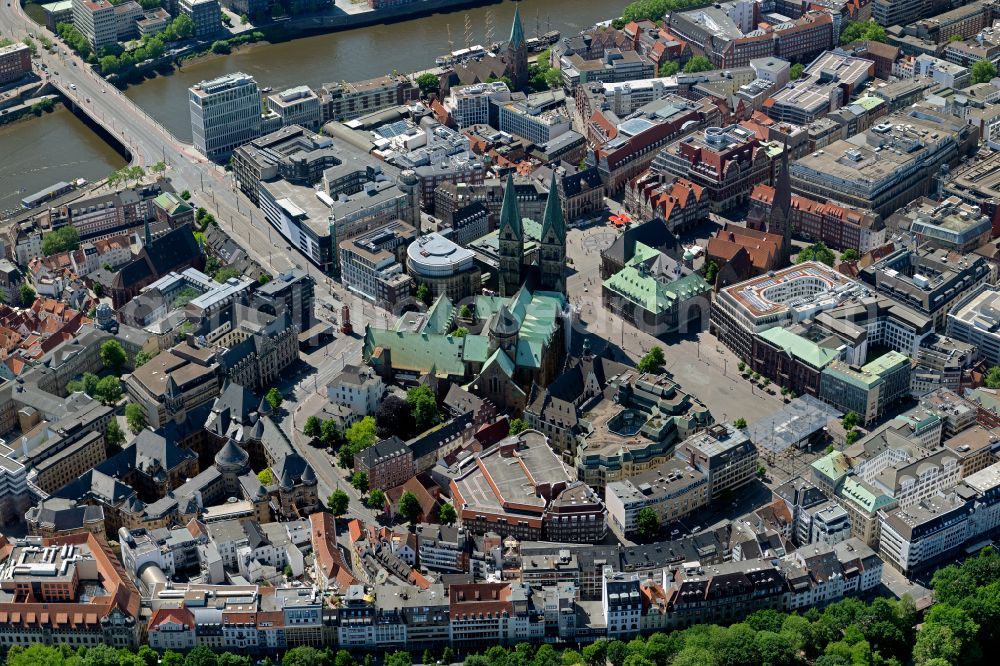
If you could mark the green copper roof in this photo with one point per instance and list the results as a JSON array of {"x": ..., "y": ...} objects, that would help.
[
  {"x": 477, "y": 348},
  {"x": 805, "y": 350},
  {"x": 529, "y": 353},
  {"x": 863, "y": 495},
  {"x": 886, "y": 363},
  {"x": 172, "y": 203},
  {"x": 419, "y": 352},
  {"x": 833, "y": 466},
  {"x": 643, "y": 289},
  {"x": 553, "y": 216},
  {"x": 501, "y": 359},
  {"x": 517, "y": 30},
  {"x": 439, "y": 316},
  {"x": 870, "y": 375},
  {"x": 510, "y": 214}
]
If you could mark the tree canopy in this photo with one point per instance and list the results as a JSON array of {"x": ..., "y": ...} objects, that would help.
[
  {"x": 983, "y": 71},
  {"x": 653, "y": 361},
  {"x": 862, "y": 31},
  {"x": 817, "y": 252}
]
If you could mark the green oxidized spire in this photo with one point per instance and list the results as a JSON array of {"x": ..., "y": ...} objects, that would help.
[
  {"x": 553, "y": 217},
  {"x": 517, "y": 30},
  {"x": 510, "y": 214}
]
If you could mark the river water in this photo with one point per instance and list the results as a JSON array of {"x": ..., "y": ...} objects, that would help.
[
  {"x": 57, "y": 146},
  {"x": 42, "y": 151}
]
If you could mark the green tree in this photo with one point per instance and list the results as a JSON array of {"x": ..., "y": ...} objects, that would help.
[
  {"x": 360, "y": 482},
  {"x": 862, "y": 31},
  {"x": 465, "y": 312},
  {"x": 329, "y": 433},
  {"x": 795, "y": 71},
  {"x": 305, "y": 655},
  {"x": 817, "y": 252},
  {"x": 409, "y": 507},
  {"x": 274, "y": 398},
  {"x": 648, "y": 522},
  {"x": 343, "y": 658},
  {"x": 376, "y": 500},
  {"x": 113, "y": 356},
  {"x": 428, "y": 657},
  {"x": 142, "y": 357},
  {"x": 698, "y": 63},
  {"x": 171, "y": 658},
  {"x": 313, "y": 427},
  {"x": 992, "y": 377},
  {"x": 850, "y": 254},
  {"x": 852, "y": 436},
  {"x": 110, "y": 65},
  {"x": 517, "y": 426},
  {"x": 424, "y": 405},
  {"x": 460, "y": 332},
  {"x": 266, "y": 477},
  {"x": 653, "y": 361},
  {"x": 135, "y": 417},
  {"x": 850, "y": 420},
  {"x": 338, "y": 502},
  {"x": 740, "y": 423},
  {"x": 63, "y": 239},
  {"x": 221, "y": 47},
  {"x": 983, "y": 71},
  {"x": 710, "y": 271},
  {"x": 182, "y": 27},
  {"x": 447, "y": 655},
  {"x": 393, "y": 416},
  {"x": 148, "y": 655},
  {"x": 109, "y": 390},
  {"x": 423, "y": 294},
  {"x": 761, "y": 471},
  {"x": 202, "y": 655},
  {"x": 428, "y": 83},
  {"x": 361, "y": 434},
  {"x": 113, "y": 436},
  {"x": 398, "y": 659},
  {"x": 670, "y": 68},
  {"x": 186, "y": 195},
  {"x": 225, "y": 273},
  {"x": 447, "y": 514},
  {"x": 955, "y": 38}
]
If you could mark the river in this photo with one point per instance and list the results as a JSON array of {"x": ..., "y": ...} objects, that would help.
[
  {"x": 42, "y": 151},
  {"x": 348, "y": 55}
]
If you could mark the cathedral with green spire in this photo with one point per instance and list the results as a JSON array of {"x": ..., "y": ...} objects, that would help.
[{"x": 513, "y": 270}]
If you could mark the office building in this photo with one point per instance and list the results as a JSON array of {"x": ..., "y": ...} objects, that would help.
[
  {"x": 724, "y": 453},
  {"x": 349, "y": 100},
  {"x": 949, "y": 224},
  {"x": 293, "y": 153},
  {"x": 225, "y": 112},
  {"x": 867, "y": 390},
  {"x": 373, "y": 263},
  {"x": 296, "y": 106},
  {"x": 95, "y": 19},
  {"x": 539, "y": 118},
  {"x": 976, "y": 321},
  {"x": 388, "y": 463},
  {"x": 470, "y": 105},
  {"x": 446, "y": 268},
  {"x": 207, "y": 18},
  {"x": 673, "y": 490},
  {"x": 291, "y": 292},
  {"x": 827, "y": 84},
  {"x": 174, "y": 382},
  {"x": 62, "y": 574},
  {"x": 888, "y": 165},
  {"x": 15, "y": 62},
  {"x": 552, "y": 505},
  {"x": 927, "y": 280}
]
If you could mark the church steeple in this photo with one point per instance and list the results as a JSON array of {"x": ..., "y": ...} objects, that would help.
[
  {"x": 517, "y": 52},
  {"x": 511, "y": 241},
  {"x": 552, "y": 244},
  {"x": 780, "y": 220}
]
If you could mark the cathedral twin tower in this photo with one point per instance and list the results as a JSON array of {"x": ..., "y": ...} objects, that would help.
[{"x": 547, "y": 273}]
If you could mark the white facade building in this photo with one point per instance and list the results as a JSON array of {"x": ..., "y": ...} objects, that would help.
[{"x": 225, "y": 114}]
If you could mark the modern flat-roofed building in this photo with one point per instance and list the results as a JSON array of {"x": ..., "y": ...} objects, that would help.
[
  {"x": 349, "y": 100},
  {"x": 470, "y": 105},
  {"x": 829, "y": 83},
  {"x": 372, "y": 263},
  {"x": 511, "y": 489},
  {"x": 787, "y": 296},
  {"x": 225, "y": 112},
  {"x": 126, "y": 16},
  {"x": 673, "y": 490},
  {"x": 296, "y": 106},
  {"x": 206, "y": 15},
  {"x": 15, "y": 62},
  {"x": 96, "y": 21},
  {"x": 724, "y": 453},
  {"x": 47, "y": 594},
  {"x": 888, "y": 165},
  {"x": 726, "y": 161},
  {"x": 976, "y": 320},
  {"x": 292, "y": 153},
  {"x": 867, "y": 390},
  {"x": 58, "y": 12},
  {"x": 949, "y": 224},
  {"x": 928, "y": 280},
  {"x": 173, "y": 382},
  {"x": 446, "y": 268}
]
